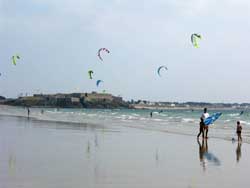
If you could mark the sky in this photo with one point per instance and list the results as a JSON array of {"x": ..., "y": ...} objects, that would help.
[{"x": 58, "y": 42}]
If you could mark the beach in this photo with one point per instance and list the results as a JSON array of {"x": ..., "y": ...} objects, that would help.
[
  {"x": 37, "y": 153},
  {"x": 115, "y": 94}
]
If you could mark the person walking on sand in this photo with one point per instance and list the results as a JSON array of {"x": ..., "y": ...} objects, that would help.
[
  {"x": 238, "y": 131},
  {"x": 151, "y": 114},
  {"x": 201, "y": 129},
  {"x": 28, "y": 110},
  {"x": 204, "y": 116}
]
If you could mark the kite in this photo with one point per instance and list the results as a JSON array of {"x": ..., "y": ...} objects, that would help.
[
  {"x": 15, "y": 58},
  {"x": 90, "y": 74},
  {"x": 194, "y": 39},
  {"x": 160, "y": 68},
  {"x": 99, "y": 52},
  {"x": 98, "y": 82}
]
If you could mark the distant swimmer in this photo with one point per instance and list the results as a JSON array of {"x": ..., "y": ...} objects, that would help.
[
  {"x": 241, "y": 113},
  {"x": 151, "y": 114},
  {"x": 161, "y": 111},
  {"x": 233, "y": 140}
]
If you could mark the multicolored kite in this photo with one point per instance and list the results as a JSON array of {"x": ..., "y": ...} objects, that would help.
[
  {"x": 99, "y": 52},
  {"x": 194, "y": 39}
]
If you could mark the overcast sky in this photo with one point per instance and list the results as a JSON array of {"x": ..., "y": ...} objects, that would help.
[{"x": 58, "y": 42}]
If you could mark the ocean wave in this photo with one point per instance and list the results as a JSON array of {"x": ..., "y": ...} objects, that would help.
[
  {"x": 189, "y": 120},
  {"x": 171, "y": 122},
  {"x": 245, "y": 122},
  {"x": 234, "y": 114}
]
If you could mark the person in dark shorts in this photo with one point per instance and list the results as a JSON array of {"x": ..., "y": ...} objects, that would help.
[
  {"x": 151, "y": 114},
  {"x": 238, "y": 131},
  {"x": 204, "y": 116},
  {"x": 201, "y": 129}
]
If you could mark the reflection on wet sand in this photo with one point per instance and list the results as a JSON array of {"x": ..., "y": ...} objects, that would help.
[
  {"x": 202, "y": 149},
  {"x": 96, "y": 141},
  {"x": 156, "y": 155},
  {"x": 88, "y": 150},
  {"x": 238, "y": 152},
  {"x": 205, "y": 155},
  {"x": 12, "y": 164}
]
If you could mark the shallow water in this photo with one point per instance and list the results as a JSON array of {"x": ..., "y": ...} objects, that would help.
[
  {"x": 174, "y": 121},
  {"x": 48, "y": 154}
]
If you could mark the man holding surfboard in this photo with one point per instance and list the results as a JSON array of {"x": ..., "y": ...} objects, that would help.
[
  {"x": 207, "y": 120},
  {"x": 204, "y": 116}
]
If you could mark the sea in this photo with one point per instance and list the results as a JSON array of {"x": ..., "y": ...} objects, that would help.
[{"x": 176, "y": 121}]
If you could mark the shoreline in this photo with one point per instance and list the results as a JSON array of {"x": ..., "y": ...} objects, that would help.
[
  {"x": 103, "y": 126},
  {"x": 135, "y": 107},
  {"x": 141, "y": 107}
]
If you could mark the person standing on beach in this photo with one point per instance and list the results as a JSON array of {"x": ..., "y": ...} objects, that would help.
[
  {"x": 238, "y": 131},
  {"x": 151, "y": 114},
  {"x": 28, "y": 110},
  {"x": 203, "y": 117},
  {"x": 201, "y": 129}
]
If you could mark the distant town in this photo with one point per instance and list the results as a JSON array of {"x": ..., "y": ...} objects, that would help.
[
  {"x": 107, "y": 101},
  {"x": 72, "y": 100}
]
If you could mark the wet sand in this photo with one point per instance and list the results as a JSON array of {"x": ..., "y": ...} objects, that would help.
[{"x": 37, "y": 154}]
